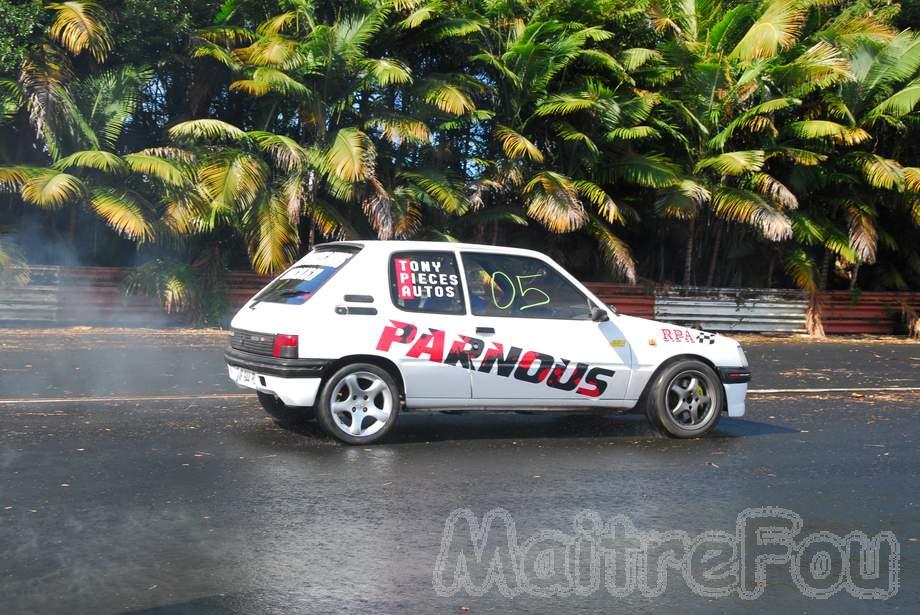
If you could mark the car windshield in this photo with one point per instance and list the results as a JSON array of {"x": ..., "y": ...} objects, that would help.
[{"x": 296, "y": 285}]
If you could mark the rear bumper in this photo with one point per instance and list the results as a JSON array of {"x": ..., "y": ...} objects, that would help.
[
  {"x": 295, "y": 382},
  {"x": 272, "y": 366}
]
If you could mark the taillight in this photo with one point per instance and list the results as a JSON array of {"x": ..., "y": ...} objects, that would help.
[{"x": 285, "y": 347}]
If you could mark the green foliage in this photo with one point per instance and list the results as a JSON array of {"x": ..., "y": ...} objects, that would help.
[
  {"x": 21, "y": 22},
  {"x": 598, "y": 130}
]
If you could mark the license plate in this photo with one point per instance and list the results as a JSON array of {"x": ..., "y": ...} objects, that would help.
[{"x": 247, "y": 377}]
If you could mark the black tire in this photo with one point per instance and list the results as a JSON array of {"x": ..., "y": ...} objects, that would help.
[
  {"x": 691, "y": 413},
  {"x": 339, "y": 422},
  {"x": 286, "y": 415}
]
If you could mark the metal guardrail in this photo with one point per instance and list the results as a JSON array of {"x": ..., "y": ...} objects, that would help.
[
  {"x": 94, "y": 296},
  {"x": 733, "y": 309}
]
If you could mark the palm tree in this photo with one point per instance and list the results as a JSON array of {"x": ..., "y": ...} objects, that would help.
[
  {"x": 80, "y": 122},
  {"x": 733, "y": 76},
  {"x": 560, "y": 121},
  {"x": 857, "y": 125},
  {"x": 341, "y": 129}
]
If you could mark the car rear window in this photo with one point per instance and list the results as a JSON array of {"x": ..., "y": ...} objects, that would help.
[
  {"x": 296, "y": 285},
  {"x": 426, "y": 282}
]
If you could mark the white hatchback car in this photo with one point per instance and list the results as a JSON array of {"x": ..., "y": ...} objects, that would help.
[{"x": 356, "y": 332}]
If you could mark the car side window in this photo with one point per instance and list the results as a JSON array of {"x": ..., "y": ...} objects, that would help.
[
  {"x": 426, "y": 282},
  {"x": 521, "y": 287}
]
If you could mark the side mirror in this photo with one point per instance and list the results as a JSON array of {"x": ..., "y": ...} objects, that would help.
[{"x": 598, "y": 314}]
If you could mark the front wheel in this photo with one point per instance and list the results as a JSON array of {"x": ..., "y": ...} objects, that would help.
[
  {"x": 686, "y": 399},
  {"x": 358, "y": 404},
  {"x": 284, "y": 414}
]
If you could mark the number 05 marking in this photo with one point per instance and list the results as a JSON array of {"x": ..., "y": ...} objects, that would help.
[{"x": 520, "y": 285}]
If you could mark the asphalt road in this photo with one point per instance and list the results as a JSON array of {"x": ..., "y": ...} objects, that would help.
[{"x": 194, "y": 502}]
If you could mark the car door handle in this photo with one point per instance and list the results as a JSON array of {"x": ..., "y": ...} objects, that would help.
[{"x": 485, "y": 330}]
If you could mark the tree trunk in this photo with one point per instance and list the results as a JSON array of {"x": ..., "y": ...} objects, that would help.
[
  {"x": 715, "y": 254},
  {"x": 813, "y": 324},
  {"x": 770, "y": 267},
  {"x": 660, "y": 258},
  {"x": 855, "y": 275},
  {"x": 825, "y": 269},
  {"x": 688, "y": 257}
]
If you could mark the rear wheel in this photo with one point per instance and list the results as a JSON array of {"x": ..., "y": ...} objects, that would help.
[
  {"x": 284, "y": 414},
  {"x": 686, "y": 399},
  {"x": 358, "y": 404}
]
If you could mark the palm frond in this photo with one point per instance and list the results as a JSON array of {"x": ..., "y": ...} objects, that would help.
[
  {"x": 273, "y": 240},
  {"x": 234, "y": 180},
  {"x": 565, "y": 104},
  {"x": 49, "y": 188},
  {"x": 517, "y": 145},
  {"x": 803, "y": 157},
  {"x": 449, "y": 98},
  {"x": 733, "y": 163},
  {"x": 824, "y": 129},
  {"x": 459, "y": 27},
  {"x": 818, "y": 67},
  {"x": 351, "y": 155},
  {"x": 93, "y": 159},
  {"x": 207, "y": 49},
  {"x": 802, "y": 269},
  {"x": 649, "y": 170},
  {"x": 739, "y": 205},
  {"x": 775, "y": 30},
  {"x": 81, "y": 25},
  {"x": 420, "y": 15},
  {"x": 776, "y": 191},
  {"x": 911, "y": 178},
  {"x": 683, "y": 200},
  {"x": 378, "y": 209},
  {"x": 352, "y": 36},
  {"x": 121, "y": 212},
  {"x": 207, "y": 129},
  {"x": 446, "y": 193},
  {"x": 567, "y": 132},
  {"x": 615, "y": 251},
  {"x": 273, "y": 51},
  {"x": 388, "y": 71},
  {"x": 898, "y": 104},
  {"x": 396, "y": 129},
  {"x": 285, "y": 152},
  {"x": 863, "y": 232},
  {"x": 597, "y": 196},
  {"x": 633, "y": 133},
  {"x": 266, "y": 80},
  {"x": 878, "y": 171},
  {"x": 14, "y": 177},
  {"x": 638, "y": 57},
  {"x": 552, "y": 200},
  {"x": 162, "y": 169}
]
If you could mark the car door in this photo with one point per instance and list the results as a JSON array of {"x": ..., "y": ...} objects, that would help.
[
  {"x": 424, "y": 323},
  {"x": 540, "y": 345}
]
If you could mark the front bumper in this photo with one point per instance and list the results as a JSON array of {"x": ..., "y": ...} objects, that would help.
[
  {"x": 735, "y": 380},
  {"x": 295, "y": 382}
]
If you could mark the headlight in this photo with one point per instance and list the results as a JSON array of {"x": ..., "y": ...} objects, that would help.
[{"x": 742, "y": 356}]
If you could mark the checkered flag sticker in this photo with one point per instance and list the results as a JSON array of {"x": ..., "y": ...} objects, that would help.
[{"x": 705, "y": 338}]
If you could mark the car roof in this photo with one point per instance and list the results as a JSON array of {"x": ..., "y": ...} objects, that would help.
[{"x": 377, "y": 245}]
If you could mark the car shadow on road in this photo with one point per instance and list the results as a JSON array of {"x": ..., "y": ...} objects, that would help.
[{"x": 422, "y": 428}]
